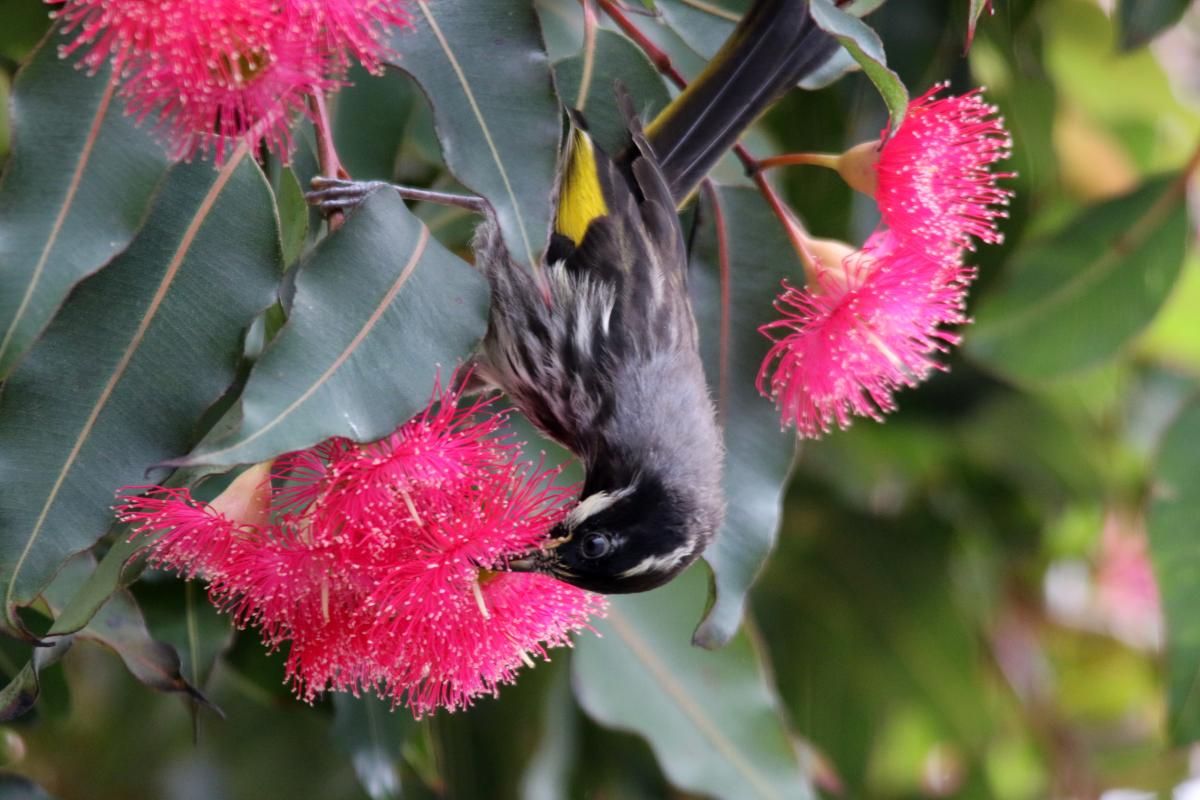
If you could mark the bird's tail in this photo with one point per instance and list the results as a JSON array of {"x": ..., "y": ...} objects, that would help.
[{"x": 775, "y": 45}]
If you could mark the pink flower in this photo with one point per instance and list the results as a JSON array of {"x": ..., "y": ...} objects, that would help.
[
  {"x": 218, "y": 72},
  {"x": 934, "y": 178},
  {"x": 380, "y": 566},
  {"x": 869, "y": 325}
]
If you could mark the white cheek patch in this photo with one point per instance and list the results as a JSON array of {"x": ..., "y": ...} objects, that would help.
[
  {"x": 663, "y": 563},
  {"x": 593, "y": 504}
]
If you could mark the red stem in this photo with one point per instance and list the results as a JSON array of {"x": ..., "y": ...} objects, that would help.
[{"x": 327, "y": 156}]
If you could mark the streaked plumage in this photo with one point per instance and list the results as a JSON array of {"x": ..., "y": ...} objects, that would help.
[{"x": 598, "y": 346}]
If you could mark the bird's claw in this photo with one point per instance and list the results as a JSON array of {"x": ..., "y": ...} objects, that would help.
[{"x": 331, "y": 195}]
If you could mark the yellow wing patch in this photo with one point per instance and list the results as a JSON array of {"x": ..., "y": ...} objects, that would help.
[{"x": 581, "y": 199}]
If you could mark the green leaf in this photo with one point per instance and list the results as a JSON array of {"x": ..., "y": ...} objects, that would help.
[
  {"x": 758, "y": 455},
  {"x": 120, "y": 626},
  {"x": 864, "y": 44},
  {"x": 712, "y": 717},
  {"x": 496, "y": 112},
  {"x": 368, "y": 731},
  {"x": 973, "y": 13},
  {"x": 293, "y": 216},
  {"x": 22, "y": 691},
  {"x": 1175, "y": 553},
  {"x": 179, "y": 613},
  {"x": 380, "y": 306},
  {"x": 75, "y": 191},
  {"x": 615, "y": 59},
  {"x": 18, "y": 787},
  {"x": 1073, "y": 300},
  {"x": 1142, "y": 20},
  {"x": 121, "y": 375},
  {"x": 703, "y": 26}
]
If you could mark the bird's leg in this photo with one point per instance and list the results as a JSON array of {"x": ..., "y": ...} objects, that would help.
[{"x": 335, "y": 194}]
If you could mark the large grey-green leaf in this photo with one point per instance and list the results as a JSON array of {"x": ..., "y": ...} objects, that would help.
[
  {"x": 1075, "y": 299},
  {"x": 1175, "y": 552},
  {"x": 74, "y": 192},
  {"x": 496, "y": 112},
  {"x": 380, "y": 306},
  {"x": 758, "y": 455},
  {"x": 368, "y": 731},
  {"x": 616, "y": 59},
  {"x": 1142, "y": 20},
  {"x": 712, "y": 718},
  {"x": 864, "y": 45},
  {"x": 121, "y": 375},
  {"x": 120, "y": 626}
]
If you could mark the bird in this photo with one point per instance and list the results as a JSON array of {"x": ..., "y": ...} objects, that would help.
[{"x": 599, "y": 347}]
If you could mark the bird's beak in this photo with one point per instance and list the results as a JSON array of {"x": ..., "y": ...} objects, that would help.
[
  {"x": 527, "y": 563},
  {"x": 541, "y": 560}
]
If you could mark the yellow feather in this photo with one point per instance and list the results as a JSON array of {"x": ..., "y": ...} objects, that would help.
[{"x": 581, "y": 199}]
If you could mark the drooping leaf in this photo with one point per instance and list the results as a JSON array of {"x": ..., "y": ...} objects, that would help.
[
  {"x": 379, "y": 308},
  {"x": 730, "y": 304},
  {"x": 1078, "y": 297},
  {"x": 496, "y": 113},
  {"x": 976, "y": 10},
  {"x": 179, "y": 614},
  {"x": 616, "y": 60},
  {"x": 1175, "y": 553},
  {"x": 368, "y": 731},
  {"x": 1142, "y": 20},
  {"x": 121, "y": 375},
  {"x": 120, "y": 626},
  {"x": 74, "y": 192},
  {"x": 711, "y": 717},
  {"x": 548, "y": 774},
  {"x": 18, "y": 787},
  {"x": 293, "y": 216},
  {"x": 23, "y": 689},
  {"x": 864, "y": 45}
]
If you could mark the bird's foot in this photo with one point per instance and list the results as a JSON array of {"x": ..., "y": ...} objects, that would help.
[{"x": 330, "y": 195}]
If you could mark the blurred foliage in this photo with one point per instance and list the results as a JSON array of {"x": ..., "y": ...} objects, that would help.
[{"x": 959, "y": 603}]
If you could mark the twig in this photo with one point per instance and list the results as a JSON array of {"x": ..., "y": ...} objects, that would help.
[{"x": 327, "y": 157}]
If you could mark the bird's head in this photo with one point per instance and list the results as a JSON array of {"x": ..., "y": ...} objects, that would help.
[{"x": 630, "y": 539}]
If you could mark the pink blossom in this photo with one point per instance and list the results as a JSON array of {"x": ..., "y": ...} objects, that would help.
[
  {"x": 381, "y": 565},
  {"x": 934, "y": 178},
  {"x": 217, "y": 72},
  {"x": 869, "y": 325}
]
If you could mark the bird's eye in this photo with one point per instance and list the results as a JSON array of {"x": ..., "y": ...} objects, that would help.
[{"x": 595, "y": 545}]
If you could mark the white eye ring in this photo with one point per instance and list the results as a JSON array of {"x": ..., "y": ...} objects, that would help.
[{"x": 595, "y": 545}]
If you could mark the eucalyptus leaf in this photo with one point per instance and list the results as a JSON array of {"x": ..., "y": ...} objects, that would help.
[
  {"x": 496, "y": 113},
  {"x": 368, "y": 731},
  {"x": 864, "y": 45},
  {"x": 120, "y": 377},
  {"x": 380, "y": 307},
  {"x": 1175, "y": 553},
  {"x": 758, "y": 454},
  {"x": 975, "y": 10},
  {"x": 120, "y": 626},
  {"x": 712, "y": 718},
  {"x": 75, "y": 191},
  {"x": 1142, "y": 20},
  {"x": 1076, "y": 298},
  {"x": 616, "y": 60}
]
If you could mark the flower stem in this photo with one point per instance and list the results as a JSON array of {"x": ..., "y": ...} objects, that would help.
[
  {"x": 327, "y": 156},
  {"x": 827, "y": 160}
]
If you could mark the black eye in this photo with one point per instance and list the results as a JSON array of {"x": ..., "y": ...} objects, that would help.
[{"x": 595, "y": 545}]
